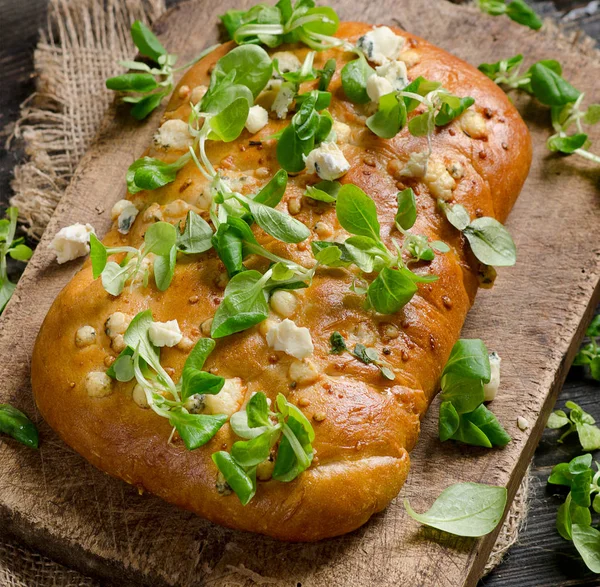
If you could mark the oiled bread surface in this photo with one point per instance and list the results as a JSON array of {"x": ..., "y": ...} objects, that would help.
[{"x": 366, "y": 425}]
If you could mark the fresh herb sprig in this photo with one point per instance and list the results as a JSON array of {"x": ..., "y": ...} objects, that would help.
[
  {"x": 544, "y": 80},
  {"x": 16, "y": 424},
  {"x": 490, "y": 242},
  {"x": 364, "y": 354},
  {"x": 577, "y": 421},
  {"x": 463, "y": 417},
  {"x": 140, "y": 360},
  {"x": 516, "y": 10},
  {"x": 237, "y": 78},
  {"x": 589, "y": 354},
  {"x": 395, "y": 284},
  {"x": 464, "y": 509},
  {"x": 262, "y": 429},
  {"x": 148, "y": 85},
  {"x": 284, "y": 23},
  {"x": 14, "y": 248},
  {"x": 441, "y": 107},
  {"x": 574, "y": 519},
  {"x": 307, "y": 129},
  {"x": 163, "y": 241}
]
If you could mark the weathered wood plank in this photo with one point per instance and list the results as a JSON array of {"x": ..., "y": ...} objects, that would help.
[{"x": 59, "y": 503}]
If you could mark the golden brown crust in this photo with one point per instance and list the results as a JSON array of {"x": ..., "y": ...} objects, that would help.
[{"x": 369, "y": 423}]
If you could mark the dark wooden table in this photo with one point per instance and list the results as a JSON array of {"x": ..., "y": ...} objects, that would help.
[{"x": 542, "y": 557}]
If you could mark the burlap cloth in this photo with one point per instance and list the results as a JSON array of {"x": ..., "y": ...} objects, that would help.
[{"x": 78, "y": 51}]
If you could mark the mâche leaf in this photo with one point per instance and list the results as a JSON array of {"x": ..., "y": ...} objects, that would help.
[
  {"x": 390, "y": 291},
  {"x": 14, "y": 248},
  {"x": 196, "y": 236},
  {"x": 464, "y": 509},
  {"x": 490, "y": 242},
  {"x": 577, "y": 421},
  {"x": 196, "y": 429},
  {"x": 16, "y": 424}
]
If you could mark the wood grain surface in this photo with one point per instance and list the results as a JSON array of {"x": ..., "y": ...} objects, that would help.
[{"x": 55, "y": 501}]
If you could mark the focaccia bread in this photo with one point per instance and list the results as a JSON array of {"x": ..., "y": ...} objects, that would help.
[{"x": 365, "y": 425}]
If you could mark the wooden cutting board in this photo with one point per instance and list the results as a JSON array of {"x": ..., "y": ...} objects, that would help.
[{"x": 534, "y": 317}]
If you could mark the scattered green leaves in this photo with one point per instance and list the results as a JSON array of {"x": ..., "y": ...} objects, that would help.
[
  {"x": 490, "y": 242},
  {"x": 364, "y": 354},
  {"x": 463, "y": 417},
  {"x": 262, "y": 429},
  {"x": 16, "y": 424},
  {"x": 577, "y": 421},
  {"x": 516, "y": 10},
  {"x": 464, "y": 509},
  {"x": 14, "y": 248},
  {"x": 574, "y": 519},
  {"x": 148, "y": 85},
  {"x": 284, "y": 23},
  {"x": 141, "y": 360},
  {"x": 544, "y": 81},
  {"x": 589, "y": 354}
]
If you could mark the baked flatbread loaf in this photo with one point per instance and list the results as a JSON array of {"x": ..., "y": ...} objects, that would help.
[{"x": 365, "y": 425}]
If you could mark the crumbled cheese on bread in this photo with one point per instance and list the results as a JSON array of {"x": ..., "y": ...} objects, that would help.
[
  {"x": 380, "y": 45},
  {"x": 174, "y": 134},
  {"x": 71, "y": 242},
  {"x": 291, "y": 339},
  {"x": 327, "y": 161},
  {"x": 228, "y": 401},
  {"x": 165, "y": 333},
  {"x": 257, "y": 119}
]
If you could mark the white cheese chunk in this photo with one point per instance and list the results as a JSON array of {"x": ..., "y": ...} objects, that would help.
[
  {"x": 197, "y": 94},
  {"x": 174, "y": 134},
  {"x": 395, "y": 73},
  {"x": 117, "y": 323},
  {"x": 378, "y": 86},
  {"x": 327, "y": 161},
  {"x": 71, "y": 242},
  {"x": 283, "y": 302},
  {"x": 165, "y": 333},
  {"x": 341, "y": 131},
  {"x": 257, "y": 119},
  {"x": 124, "y": 212},
  {"x": 473, "y": 124},
  {"x": 491, "y": 389},
  {"x": 281, "y": 103},
  {"x": 85, "y": 336},
  {"x": 303, "y": 372},
  {"x": 228, "y": 401},
  {"x": 380, "y": 45},
  {"x": 98, "y": 384},
  {"x": 522, "y": 423},
  {"x": 287, "y": 61},
  {"x": 433, "y": 172},
  {"x": 139, "y": 396},
  {"x": 291, "y": 339}
]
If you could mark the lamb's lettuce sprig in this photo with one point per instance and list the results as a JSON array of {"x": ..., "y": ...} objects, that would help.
[
  {"x": 307, "y": 129},
  {"x": 544, "y": 80},
  {"x": 463, "y": 416},
  {"x": 146, "y": 87},
  {"x": 578, "y": 421},
  {"x": 262, "y": 429},
  {"x": 364, "y": 354},
  {"x": 574, "y": 519},
  {"x": 516, "y": 10},
  {"x": 236, "y": 80},
  {"x": 395, "y": 284},
  {"x": 589, "y": 354},
  {"x": 490, "y": 242},
  {"x": 441, "y": 107},
  {"x": 140, "y": 360},
  {"x": 14, "y": 248},
  {"x": 284, "y": 23}
]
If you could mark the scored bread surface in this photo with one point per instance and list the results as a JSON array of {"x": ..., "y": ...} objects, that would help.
[{"x": 366, "y": 425}]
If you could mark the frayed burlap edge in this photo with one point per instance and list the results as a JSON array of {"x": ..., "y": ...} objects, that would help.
[{"x": 80, "y": 49}]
